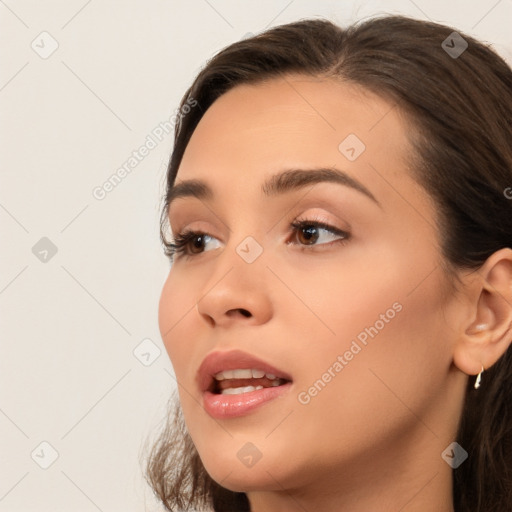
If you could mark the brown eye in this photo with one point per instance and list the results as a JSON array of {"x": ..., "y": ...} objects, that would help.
[
  {"x": 190, "y": 243},
  {"x": 197, "y": 244},
  {"x": 308, "y": 234}
]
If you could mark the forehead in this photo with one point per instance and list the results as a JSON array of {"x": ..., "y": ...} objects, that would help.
[{"x": 255, "y": 129}]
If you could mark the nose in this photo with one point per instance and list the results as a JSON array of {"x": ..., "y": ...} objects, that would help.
[{"x": 236, "y": 293}]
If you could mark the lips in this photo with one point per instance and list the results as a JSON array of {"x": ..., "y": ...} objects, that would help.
[{"x": 217, "y": 362}]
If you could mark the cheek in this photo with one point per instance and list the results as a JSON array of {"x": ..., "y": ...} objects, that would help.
[
  {"x": 176, "y": 304},
  {"x": 395, "y": 356},
  {"x": 388, "y": 329},
  {"x": 328, "y": 302}
]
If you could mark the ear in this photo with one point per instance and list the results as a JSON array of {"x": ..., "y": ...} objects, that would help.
[{"x": 486, "y": 332}]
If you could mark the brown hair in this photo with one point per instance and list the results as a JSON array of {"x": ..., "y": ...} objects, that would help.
[{"x": 461, "y": 109}]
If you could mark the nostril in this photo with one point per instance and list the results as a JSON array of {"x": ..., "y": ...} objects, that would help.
[
  {"x": 243, "y": 312},
  {"x": 238, "y": 311}
]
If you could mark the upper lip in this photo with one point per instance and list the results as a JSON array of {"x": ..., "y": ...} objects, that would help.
[{"x": 216, "y": 362}]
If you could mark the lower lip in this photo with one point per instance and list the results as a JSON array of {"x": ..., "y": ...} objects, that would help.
[{"x": 230, "y": 406}]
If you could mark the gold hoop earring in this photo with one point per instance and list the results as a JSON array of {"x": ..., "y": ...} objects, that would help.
[{"x": 479, "y": 378}]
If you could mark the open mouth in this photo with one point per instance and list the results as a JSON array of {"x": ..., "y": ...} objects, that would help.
[{"x": 236, "y": 382}]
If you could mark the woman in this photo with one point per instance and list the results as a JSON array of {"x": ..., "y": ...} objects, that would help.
[{"x": 339, "y": 306}]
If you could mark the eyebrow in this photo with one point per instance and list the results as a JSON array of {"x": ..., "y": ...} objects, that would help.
[{"x": 286, "y": 181}]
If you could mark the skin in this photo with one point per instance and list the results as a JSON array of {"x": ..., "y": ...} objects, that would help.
[{"x": 372, "y": 438}]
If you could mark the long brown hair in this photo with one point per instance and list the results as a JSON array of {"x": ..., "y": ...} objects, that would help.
[{"x": 459, "y": 103}]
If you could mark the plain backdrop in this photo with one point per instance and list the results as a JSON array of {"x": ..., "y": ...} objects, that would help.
[{"x": 84, "y": 376}]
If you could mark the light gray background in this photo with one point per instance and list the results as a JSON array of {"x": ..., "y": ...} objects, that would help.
[{"x": 70, "y": 325}]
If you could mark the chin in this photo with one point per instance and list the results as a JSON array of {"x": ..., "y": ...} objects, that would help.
[
  {"x": 247, "y": 481},
  {"x": 233, "y": 474}
]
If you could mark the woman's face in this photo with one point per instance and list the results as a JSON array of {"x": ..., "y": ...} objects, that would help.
[{"x": 357, "y": 318}]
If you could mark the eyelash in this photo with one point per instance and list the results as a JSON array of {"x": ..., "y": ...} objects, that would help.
[{"x": 182, "y": 240}]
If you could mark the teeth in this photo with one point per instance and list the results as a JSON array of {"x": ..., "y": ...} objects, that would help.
[
  {"x": 239, "y": 391},
  {"x": 245, "y": 373},
  {"x": 242, "y": 374}
]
